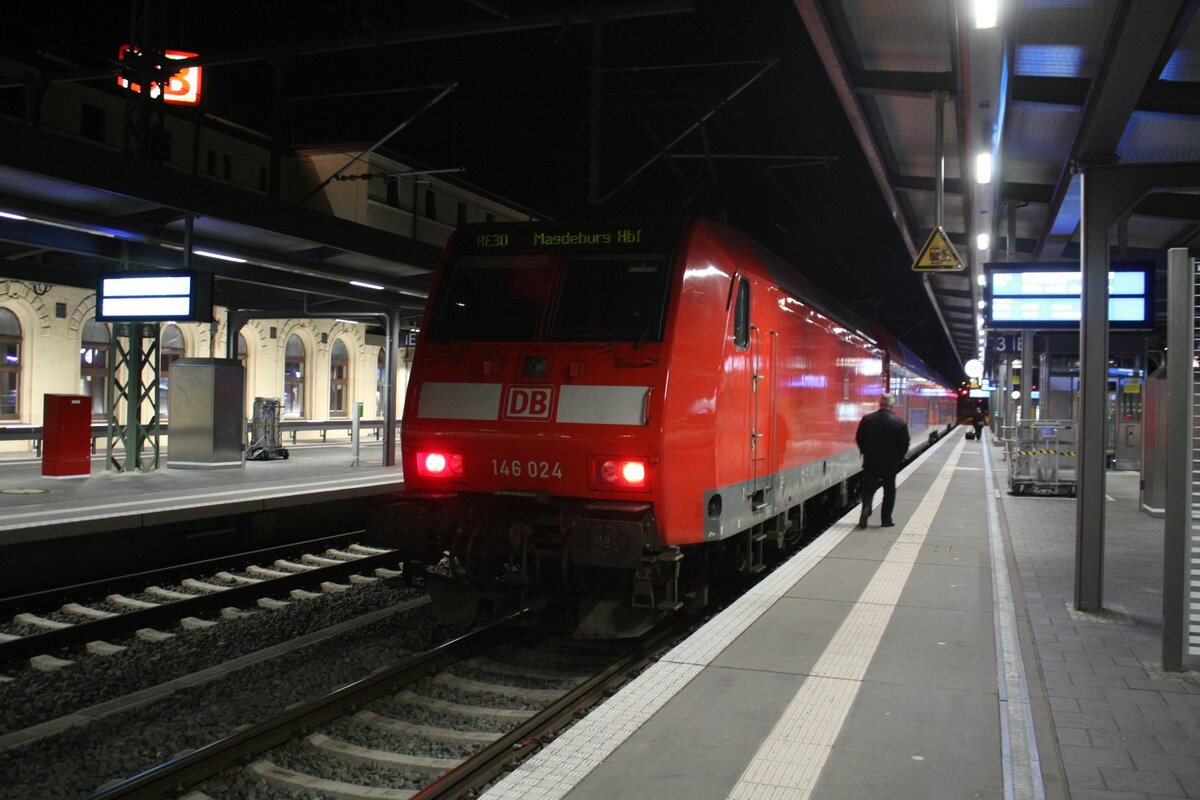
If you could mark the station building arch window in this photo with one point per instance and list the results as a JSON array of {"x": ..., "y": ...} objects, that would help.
[
  {"x": 10, "y": 365},
  {"x": 94, "y": 345},
  {"x": 294, "y": 376},
  {"x": 339, "y": 379},
  {"x": 171, "y": 348}
]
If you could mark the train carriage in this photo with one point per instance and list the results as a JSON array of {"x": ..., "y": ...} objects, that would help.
[{"x": 600, "y": 414}]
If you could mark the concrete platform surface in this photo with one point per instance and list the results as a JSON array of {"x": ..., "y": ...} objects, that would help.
[
  {"x": 36, "y": 507},
  {"x": 941, "y": 658}
]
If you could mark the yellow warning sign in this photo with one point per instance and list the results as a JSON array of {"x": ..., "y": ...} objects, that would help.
[{"x": 938, "y": 255}]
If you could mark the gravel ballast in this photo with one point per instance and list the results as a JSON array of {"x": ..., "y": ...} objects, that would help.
[{"x": 85, "y": 757}]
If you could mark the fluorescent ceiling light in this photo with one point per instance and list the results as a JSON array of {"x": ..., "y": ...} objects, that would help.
[
  {"x": 7, "y": 215},
  {"x": 983, "y": 168},
  {"x": 347, "y": 321},
  {"x": 987, "y": 12},
  {"x": 222, "y": 256},
  {"x": 981, "y": 280},
  {"x": 366, "y": 285},
  {"x": 983, "y": 241}
]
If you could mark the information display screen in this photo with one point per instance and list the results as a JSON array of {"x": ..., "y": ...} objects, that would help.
[
  {"x": 1050, "y": 297},
  {"x": 181, "y": 296}
]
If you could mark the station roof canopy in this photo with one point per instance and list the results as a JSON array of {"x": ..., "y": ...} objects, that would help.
[
  {"x": 69, "y": 211},
  {"x": 1045, "y": 89}
]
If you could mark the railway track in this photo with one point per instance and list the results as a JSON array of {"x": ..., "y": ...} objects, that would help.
[
  {"x": 88, "y": 619},
  {"x": 438, "y": 726}
]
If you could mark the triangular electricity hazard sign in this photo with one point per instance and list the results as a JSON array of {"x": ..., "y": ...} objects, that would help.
[{"x": 938, "y": 255}]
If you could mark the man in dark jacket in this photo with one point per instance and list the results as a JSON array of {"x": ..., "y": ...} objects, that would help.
[
  {"x": 883, "y": 441},
  {"x": 978, "y": 420}
]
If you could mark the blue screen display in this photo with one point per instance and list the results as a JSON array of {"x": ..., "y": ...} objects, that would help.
[{"x": 1028, "y": 298}]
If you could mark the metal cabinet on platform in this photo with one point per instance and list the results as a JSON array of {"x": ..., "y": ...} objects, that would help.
[{"x": 207, "y": 420}]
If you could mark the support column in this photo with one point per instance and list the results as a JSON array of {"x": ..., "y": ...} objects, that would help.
[
  {"x": 1178, "y": 539},
  {"x": 389, "y": 406},
  {"x": 133, "y": 390},
  {"x": 1108, "y": 193}
]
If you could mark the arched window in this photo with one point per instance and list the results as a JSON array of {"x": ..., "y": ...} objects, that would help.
[
  {"x": 293, "y": 377},
  {"x": 10, "y": 365},
  {"x": 170, "y": 350},
  {"x": 93, "y": 366},
  {"x": 339, "y": 379}
]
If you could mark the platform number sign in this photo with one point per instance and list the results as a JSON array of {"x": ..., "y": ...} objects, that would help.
[{"x": 1004, "y": 343}]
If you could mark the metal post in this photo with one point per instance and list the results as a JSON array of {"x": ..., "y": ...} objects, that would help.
[
  {"x": 1093, "y": 384},
  {"x": 1108, "y": 193},
  {"x": 939, "y": 156},
  {"x": 133, "y": 383},
  {"x": 389, "y": 405},
  {"x": 1177, "y": 523},
  {"x": 1027, "y": 358},
  {"x": 354, "y": 422}
]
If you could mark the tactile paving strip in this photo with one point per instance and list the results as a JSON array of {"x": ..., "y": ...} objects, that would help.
[{"x": 555, "y": 770}]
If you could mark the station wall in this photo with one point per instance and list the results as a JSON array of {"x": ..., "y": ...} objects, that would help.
[{"x": 49, "y": 355}]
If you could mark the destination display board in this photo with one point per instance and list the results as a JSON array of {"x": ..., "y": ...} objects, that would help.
[
  {"x": 525, "y": 237},
  {"x": 1049, "y": 296},
  {"x": 180, "y": 296}
]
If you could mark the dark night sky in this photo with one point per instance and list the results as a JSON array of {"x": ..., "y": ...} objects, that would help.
[{"x": 518, "y": 121}]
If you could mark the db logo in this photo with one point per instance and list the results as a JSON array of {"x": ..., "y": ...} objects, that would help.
[{"x": 528, "y": 402}]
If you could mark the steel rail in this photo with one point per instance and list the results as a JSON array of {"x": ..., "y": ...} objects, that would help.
[
  {"x": 135, "y": 581},
  {"x": 172, "y": 610},
  {"x": 204, "y": 762},
  {"x": 506, "y": 752}
]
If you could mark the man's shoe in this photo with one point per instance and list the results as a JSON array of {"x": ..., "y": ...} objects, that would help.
[
  {"x": 887, "y": 524},
  {"x": 862, "y": 526}
]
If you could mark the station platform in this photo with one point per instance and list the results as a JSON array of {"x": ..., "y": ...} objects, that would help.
[
  {"x": 941, "y": 658},
  {"x": 37, "y": 508}
]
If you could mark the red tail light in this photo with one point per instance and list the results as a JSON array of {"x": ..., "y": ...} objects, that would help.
[
  {"x": 610, "y": 472},
  {"x": 439, "y": 465}
]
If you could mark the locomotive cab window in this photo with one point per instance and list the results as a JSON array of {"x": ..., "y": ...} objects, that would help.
[
  {"x": 607, "y": 298},
  {"x": 741, "y": 316},
  {"x": 492, "y": 298}
]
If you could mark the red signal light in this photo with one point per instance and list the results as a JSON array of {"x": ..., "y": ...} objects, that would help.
[
  {"x": 439, "y": 465},
  {"x": 610, "y": 472}
]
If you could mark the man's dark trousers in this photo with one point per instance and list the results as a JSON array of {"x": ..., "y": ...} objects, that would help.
[{"x": 870, "y": 482}]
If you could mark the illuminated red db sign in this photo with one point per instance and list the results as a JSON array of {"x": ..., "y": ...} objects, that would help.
[
  {"x": 183, "y": 88},
  {"x": 528, "y": 402}
]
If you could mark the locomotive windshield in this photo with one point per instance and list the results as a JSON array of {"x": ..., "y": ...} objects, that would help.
[
  {"x": 608, "y": 297},
  {"x": 493, "y": 298}
]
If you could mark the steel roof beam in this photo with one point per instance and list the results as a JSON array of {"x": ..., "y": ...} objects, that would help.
[
  {"x": 1180, "y": 98},
  {"x": 1140, "y": 33},
  {"x": 924, "y": 185},
  {"x": 816, "y": 20},
  {"x": 41, "y": 153},
  {"x": 148, "y": 254},
  {"x": 98, "y": 235},
  {"x": 903, "y": 84}
]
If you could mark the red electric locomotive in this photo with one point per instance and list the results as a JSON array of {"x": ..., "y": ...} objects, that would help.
[{"x": 597, "y": 413}]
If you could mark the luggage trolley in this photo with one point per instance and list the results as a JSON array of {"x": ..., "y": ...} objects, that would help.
[
  {"x": 266, "y": 441},
  {"x": 1042, "y": 458}
]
